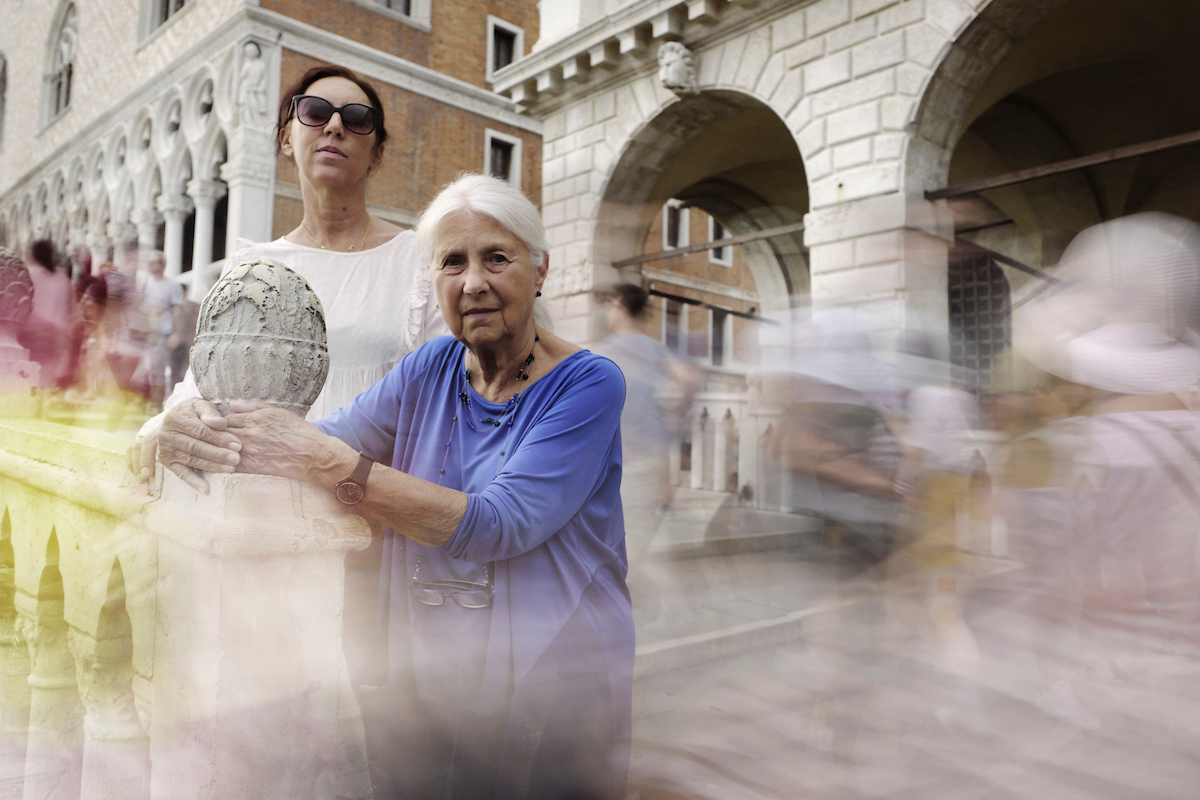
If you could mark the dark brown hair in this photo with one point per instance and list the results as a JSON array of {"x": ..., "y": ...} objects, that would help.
[
  {"x": 42, "y": 251},
  {"x": 329, "y": 71},
  {"x": 632, "y": 297}
]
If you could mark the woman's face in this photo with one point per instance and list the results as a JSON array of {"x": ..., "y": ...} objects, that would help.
[
  {"x": 485, "y": 281},
  {"x": 330, "y": 155}
]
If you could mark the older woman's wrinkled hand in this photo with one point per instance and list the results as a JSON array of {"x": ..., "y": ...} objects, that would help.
[
  {"x": 277, "y": 442},
  {"x": 193, "y": 437}
]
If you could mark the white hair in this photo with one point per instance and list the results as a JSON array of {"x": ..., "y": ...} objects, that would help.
[{"x": 489, "y": 197}]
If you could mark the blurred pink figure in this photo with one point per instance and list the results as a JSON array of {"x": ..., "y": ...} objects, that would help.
[{"x": 49, "y": 332}]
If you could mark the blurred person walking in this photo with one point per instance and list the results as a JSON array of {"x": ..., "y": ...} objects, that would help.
[
  {"x": 48, "y": 333},
  {"x": 658, "y": 392},
  {"x": 162, "y": 309},
  {"x": 1104, "y": 504}
]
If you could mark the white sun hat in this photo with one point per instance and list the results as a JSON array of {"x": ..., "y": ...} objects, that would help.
[{"x": 1117, "y": 317}]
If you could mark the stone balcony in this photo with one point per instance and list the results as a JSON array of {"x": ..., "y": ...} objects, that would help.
[{"x": 158, "y": 643}]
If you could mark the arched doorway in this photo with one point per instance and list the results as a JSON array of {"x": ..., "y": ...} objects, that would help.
[
  {"x": 1070, "y": 79},
  {"x": 730, "y": 156},
  {"x": 709, "y": 167}
]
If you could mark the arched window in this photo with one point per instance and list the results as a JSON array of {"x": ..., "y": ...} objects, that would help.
[{"x": 61, "y": 64}]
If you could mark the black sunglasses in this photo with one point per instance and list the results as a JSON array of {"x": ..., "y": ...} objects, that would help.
[{"x": 315, "y": 111}]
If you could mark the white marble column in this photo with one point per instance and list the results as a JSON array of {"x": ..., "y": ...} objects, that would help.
[
  {"x": 204, "y": 194},
  {"x": 14, "y": 685},
  {"x": 718, "y": 457},
  {"x": 698, "y": 426},
  {"x": 249, "y": 174},
  {"x": 53, "y": 762},
  {"x": 174, "y": 210},
  {"x": 146, "y": 222},
  {"x": 121, "y": 234},
  {"x": 99, "y": 246},
  {"x": 116, "y": 751}
]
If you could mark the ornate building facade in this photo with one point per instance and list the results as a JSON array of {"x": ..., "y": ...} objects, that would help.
[
  {"x": 150, "y": 122},
  {"x": 854, "y": 129}
]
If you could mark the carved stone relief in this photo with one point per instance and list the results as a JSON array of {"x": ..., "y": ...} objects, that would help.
[
  {"x": 17, "y": 372},
  {"x": 252, "y": 85},
  {"x": 677, "y": 68},
  {"x": 261, "y": 336}
]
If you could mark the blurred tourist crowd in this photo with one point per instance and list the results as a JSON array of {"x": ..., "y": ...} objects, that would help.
[
  {"x": 111, "y": 339},
  {"x": 1027, "y": 526}
]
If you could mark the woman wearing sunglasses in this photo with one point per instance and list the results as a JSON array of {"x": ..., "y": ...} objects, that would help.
[
  {"x": 378, "y": 304},
  {"x": 377, "y": 301},
  {"x": 494, "y": 456}
]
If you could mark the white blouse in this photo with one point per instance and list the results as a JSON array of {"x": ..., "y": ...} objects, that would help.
[{"x": 378, "y": 305}]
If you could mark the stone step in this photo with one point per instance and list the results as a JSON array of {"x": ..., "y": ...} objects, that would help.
[
  {"x": 701, "y": 524},
  {"x": 688, "y": 651}
]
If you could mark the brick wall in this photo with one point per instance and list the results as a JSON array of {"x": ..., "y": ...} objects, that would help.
[
  {"x": 429, "y": 144},
  {"x": 361, "y": 24},
  {"x": 455, "y": 46},
  {"x": 460, "y": 34}
]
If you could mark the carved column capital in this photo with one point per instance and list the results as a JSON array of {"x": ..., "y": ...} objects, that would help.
[
  {"x": 120, "y": 232},
  {"x": 142, "y": 217},
  {"x": 146, "y": 221},
  {"x": 98, "y": 241},
  {"x": 104, "y": 672},
  {"x": 205, "y": 193},
  {"x": 50, "y": 664},
  {"x": 174, "y": 207}
]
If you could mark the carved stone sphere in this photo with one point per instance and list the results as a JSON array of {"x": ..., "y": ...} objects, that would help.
[
  {"x": 261, "y": 336},
  {"x": 16, "y": 289}
]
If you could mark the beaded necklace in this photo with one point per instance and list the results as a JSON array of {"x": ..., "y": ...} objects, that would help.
[{"x": 510, "y": 408}]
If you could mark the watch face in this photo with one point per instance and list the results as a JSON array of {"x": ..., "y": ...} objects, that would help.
[{"x": 349, "y": 493}]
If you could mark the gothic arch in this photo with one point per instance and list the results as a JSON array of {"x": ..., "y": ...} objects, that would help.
[{"x": 62, "y": 52}]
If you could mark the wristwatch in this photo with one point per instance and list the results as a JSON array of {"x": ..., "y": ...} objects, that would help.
[{"x": 352, "y": 490}]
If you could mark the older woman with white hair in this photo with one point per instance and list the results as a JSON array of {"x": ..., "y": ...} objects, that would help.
[{"x": 494, "y": 458}]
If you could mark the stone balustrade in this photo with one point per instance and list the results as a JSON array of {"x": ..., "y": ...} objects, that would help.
[{"x": 158, "y": 643}]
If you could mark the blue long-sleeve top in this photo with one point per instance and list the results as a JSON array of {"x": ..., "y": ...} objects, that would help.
[{"x": 543, "y": 503}]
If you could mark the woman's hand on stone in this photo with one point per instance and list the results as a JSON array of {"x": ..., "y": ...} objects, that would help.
[
  {"x": 277, "y": 442},
  {"x": 193, "y": 437},
  {"x": 144, "y": 450}
]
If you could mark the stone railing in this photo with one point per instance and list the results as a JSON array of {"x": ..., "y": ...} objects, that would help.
[{"x": 158, "y": 643}]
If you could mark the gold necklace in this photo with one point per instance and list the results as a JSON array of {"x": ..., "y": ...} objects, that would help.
[{"x": 361, "y": 241}]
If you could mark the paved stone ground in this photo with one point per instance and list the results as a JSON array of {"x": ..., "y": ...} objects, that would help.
[{"x": 858, "y": 703}]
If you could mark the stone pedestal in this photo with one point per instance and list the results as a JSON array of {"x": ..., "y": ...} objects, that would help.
[{"x": 248, "y": 656}]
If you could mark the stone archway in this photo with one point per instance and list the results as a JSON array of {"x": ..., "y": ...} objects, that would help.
[
  {"x": 1031, "y": 84},
  {"x": 942, "y": 111},
  {"x": 728, "y": 154}
]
